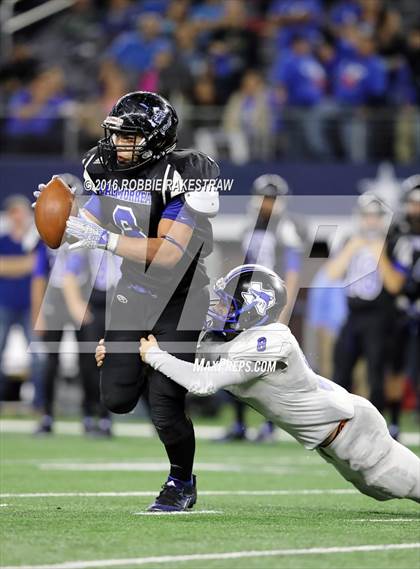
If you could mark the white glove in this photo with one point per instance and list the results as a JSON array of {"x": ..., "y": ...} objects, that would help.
[{"x": 90, "y": 235}]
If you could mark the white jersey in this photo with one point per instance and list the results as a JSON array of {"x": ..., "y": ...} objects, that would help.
[{"x": 266, "y": 368}]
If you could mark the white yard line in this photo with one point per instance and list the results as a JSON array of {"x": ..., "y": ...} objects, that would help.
[
  {"x": 136, "y": 466},
  {"x": 137, "y": 429},
  {"x": 185, "y": 513},
  {"x": 137, "y": 561},
  {"x": 305, "y": 492},
  {"x": 387, "y": 520}
]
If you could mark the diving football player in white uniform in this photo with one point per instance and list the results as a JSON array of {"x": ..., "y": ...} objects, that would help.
[{"x": 264, "y": 366}]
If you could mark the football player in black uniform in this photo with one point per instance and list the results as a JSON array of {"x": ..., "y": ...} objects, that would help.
[
  {"x": 405, "y": 236},
  {"x": 144, "y": 211}
]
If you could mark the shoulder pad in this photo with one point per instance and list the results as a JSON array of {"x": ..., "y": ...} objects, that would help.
[
  {"x": 193, "y": 174},
  {"x": 92, "y": 168},
  {"x": 272, "y": 342},
  {"x": 193, "y": 164},
  {"x": 204, "y": 202}
]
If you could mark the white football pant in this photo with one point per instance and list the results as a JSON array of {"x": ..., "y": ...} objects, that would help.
[{"x": 366, "y": 455}]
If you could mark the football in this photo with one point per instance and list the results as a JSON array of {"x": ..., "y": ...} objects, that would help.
[{"x": 52, "y": 209}]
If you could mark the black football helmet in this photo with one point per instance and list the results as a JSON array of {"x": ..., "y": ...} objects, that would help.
[
  {"x": 143, "y": 114},
  {"x": 249, "y": 295}
]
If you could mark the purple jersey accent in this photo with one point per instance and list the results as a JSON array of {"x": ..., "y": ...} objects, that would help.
[
  {"x": 178, "y": 211},
  {"x": 93, "y": 206}
]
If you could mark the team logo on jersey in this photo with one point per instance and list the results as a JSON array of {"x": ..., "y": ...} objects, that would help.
[{"x": 262, "y": 298}]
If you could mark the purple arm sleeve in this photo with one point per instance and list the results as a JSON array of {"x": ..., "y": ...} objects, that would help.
[
  {"x": 178, "y": 211},
  {"x": 94, "y": 206}
]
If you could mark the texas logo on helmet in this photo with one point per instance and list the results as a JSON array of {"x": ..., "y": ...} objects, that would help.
[{"x": 263, "y": 299}]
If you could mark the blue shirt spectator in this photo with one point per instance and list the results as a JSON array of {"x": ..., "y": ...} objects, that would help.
[
  {"x": 35, "y": 109},
  {"x": 345, "y": 13},
  {"x": 14, "y": 291},
  {"x": 136, "y": 51},
  {"x": 301, "y": 17},
  {"x": 360, "y": 79},
  {"x": 301, "y": 75}
]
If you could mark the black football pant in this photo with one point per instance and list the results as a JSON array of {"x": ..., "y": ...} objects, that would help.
[
  {"x": 125, "y": 378},
  {"x": 366, "y": 333}
]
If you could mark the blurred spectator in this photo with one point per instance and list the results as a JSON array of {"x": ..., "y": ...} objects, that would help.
[
  {"x": 135, "y": 52},
  {"x": 345, "y": 13},
  {"x": 368, "y": 326},
  {"x": 74, "y": 41},
  {"x": 302, "y": 83},
  {"x": 412, "y": 53},
  {"x": 17, "y": 71},
  {"x": 120, "y": 17},
  {"x": 359, "y": 82},
  {"x": 233, "y": 48},
  {"x": 112, "y": 85},
  {"x": 17, "y": 247},
  {"x": 248, "y": 119},
  {"x": 177, "y": 13},
  {"x": 326, "y": 310},
  {"x": 407, "y": 137},
  {"x": 296, "y": 17},
  {"x": 272, "y": 239},
  {"x": 35, "y": 112},
  {"x": 89, "y": 280},
  {"x": 206, "y": 16}
]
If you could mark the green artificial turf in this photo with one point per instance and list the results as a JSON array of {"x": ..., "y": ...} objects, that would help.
[{"x": 52, "y": 530}]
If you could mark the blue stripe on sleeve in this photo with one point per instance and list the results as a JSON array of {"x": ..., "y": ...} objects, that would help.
[
  {"x": 93, "y": 206},
  {"x": 177, "y": 211}
]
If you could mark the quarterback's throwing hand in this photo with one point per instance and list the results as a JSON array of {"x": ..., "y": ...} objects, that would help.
[
  {"x": 145, "y": 345},
  {"x": 89, "y": 235},
  {"x": 100, "y": 353}
]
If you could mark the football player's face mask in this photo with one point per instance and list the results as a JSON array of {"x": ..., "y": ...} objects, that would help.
[
  {"x": 127, "y": 148},
  {"x": 227, "y": 314}
]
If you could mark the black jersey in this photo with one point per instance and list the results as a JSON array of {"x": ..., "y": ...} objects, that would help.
[
  {"x": 406, "y": 258},
  {"x": 133, "y": 202}
]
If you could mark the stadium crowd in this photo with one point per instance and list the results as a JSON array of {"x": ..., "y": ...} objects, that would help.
[{"x": 305, "y": 79}]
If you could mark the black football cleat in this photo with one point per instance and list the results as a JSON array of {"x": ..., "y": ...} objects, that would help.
[{"x": 175, "y": 496}]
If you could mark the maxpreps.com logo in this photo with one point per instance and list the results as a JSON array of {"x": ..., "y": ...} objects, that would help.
[{"x": 263, "y": 298}]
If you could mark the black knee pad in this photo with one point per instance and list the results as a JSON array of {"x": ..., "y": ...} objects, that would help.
[
  {"x": 115, "y": 405},
  {"x": 175, "y": 432}
]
